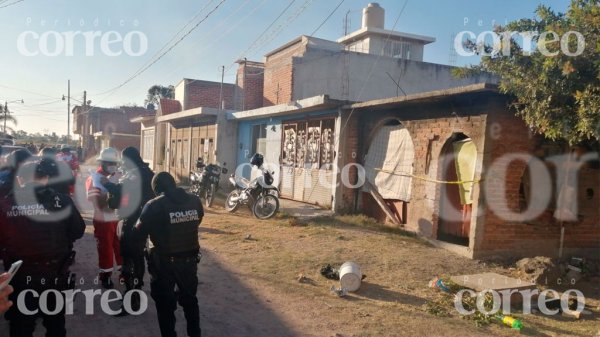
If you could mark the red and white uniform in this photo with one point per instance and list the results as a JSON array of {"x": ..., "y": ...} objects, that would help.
[
  {"x": 70, "y": 158},
  {"x": 105, "y": 226}
]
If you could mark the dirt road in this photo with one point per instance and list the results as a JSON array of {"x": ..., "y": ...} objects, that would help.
[{"x": 249, "y": 284}]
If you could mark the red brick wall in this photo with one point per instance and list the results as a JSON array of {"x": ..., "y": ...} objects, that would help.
[
  {"x": 349, "y": 153},
  {"x": 206, "y": 94},
  {"x": 496, "y": 132},
  {"x": 540, "y": 236},
  {"x": 278, "y": 81},
  {"x": 250, "y": 83}
]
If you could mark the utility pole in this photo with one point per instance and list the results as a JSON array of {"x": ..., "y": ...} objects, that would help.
[
  {"x": 221, "y": 90},
  {"x": 69, "y": 110},
  {"x": 5, "y": 116}
]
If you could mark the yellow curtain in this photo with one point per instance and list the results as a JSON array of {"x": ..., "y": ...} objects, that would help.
[{"x": 465, "y": 154}]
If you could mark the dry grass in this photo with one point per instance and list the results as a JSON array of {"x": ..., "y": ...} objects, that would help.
[{"x": 393, "y": 298}]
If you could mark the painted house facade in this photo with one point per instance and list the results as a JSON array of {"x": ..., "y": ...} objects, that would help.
[{"x": 307, "y": 81}]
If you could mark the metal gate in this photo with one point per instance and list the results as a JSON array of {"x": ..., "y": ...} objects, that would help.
[{"x": 307, "y": 157}]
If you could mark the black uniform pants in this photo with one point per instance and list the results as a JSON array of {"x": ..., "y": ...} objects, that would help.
[
  {"x": 133, "y": 270},
  {"x": 22, "y": 325},
  {"x": 165, "y": 275},
  {"x": 132, "y": 251}
]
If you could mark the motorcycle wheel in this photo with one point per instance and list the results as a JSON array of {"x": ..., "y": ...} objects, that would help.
[
  {"x": 232, "y": 206},
  {"x": 266, "y": 206},
  {"x": 209, "y": 196}
]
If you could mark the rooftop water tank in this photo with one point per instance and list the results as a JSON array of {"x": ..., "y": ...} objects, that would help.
[{"x": 373, "y": 16}]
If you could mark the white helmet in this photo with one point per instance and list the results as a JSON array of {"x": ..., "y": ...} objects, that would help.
[{"x": 109, "y": 155}]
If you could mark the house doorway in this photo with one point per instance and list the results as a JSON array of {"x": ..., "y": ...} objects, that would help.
[
  {"x": 388, "y": 169},
  {"x": 457, "y": 164}
]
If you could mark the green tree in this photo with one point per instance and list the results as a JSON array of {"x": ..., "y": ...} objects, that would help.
[
  {"x": 156, "y": 92},
  {"x": 559, "y": 95}
]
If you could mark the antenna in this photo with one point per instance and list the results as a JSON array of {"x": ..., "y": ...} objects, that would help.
[
  {"x": 452, "y": 56},
  {"x": 346, "y": 23}
]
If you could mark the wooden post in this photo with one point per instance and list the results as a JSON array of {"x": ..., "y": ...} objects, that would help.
[{"x": 379, "y": 199}]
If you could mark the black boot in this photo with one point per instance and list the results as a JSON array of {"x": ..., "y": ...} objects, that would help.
[{"x": 105, "y": 279}]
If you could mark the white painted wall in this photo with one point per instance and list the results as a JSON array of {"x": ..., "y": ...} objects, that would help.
[{"x": 321, "y": 72}]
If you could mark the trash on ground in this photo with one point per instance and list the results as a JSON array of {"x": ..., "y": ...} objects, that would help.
[
  {"x": 305, "y": 280},
  {"x": 329, "y": 272},
  {"x": 438, "y": 283},
  {"x": 511, "y": 322},
  {"x": 350, "y": 276},
  {"x": 340, "y": 292}
]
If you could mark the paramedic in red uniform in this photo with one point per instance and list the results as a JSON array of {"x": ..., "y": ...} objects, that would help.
[{"x": 105, "y": 220}]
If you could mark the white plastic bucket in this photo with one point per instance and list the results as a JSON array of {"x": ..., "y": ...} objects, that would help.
[{"x": 350, "y": 276}]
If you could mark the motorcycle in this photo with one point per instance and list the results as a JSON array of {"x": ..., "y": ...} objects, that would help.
[
  {"x": 259, "y": 194},
  {"x": 205, "y": 181}
]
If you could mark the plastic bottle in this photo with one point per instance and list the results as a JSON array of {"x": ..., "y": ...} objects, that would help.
[
  {"x": 438, "y": 283},
  {"x": 511, "y": 322}
]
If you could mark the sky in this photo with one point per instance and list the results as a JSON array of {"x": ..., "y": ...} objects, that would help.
[{"x": 101, "y": 46}]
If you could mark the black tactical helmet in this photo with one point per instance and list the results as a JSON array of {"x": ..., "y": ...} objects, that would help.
[
  {"x": 46, "y": 167},
  {"x": 38, "y": 169},
  {"x": 257, "y": 160}
]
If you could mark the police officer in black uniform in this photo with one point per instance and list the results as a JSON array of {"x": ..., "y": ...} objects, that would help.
[
  {"x": 128, "y": 197},
  {"x": 172, "y": 220},
  {"x": 38, "y": 226}
]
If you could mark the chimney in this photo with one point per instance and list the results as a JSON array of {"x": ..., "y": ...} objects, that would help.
[{"x": 373, "y": 16}]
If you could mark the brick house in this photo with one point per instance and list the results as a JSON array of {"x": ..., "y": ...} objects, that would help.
[
  {"x": 469, "y": 134},
  {"x": 308, "y": 80},
  {"x": 186, "y": 127},
  {"x": 103, "y": 127}
]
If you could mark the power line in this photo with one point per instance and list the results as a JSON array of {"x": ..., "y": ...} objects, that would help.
[
  {"x": 327, "y": 18},
  {"x": 205, "y": 46},
  {"x": 165, "y": 45},
  {"x": 12, "y": 3},
  {"x": 165, "y": 52},
  {"x": 373, "y": 66},
  {"x": 275, "y": 32},
  {"x": 29, "y": 92},
  {"x": 266, "y": 29},
  {"x": 288, "y": 21},
  {"x": 46, "y": 103}
]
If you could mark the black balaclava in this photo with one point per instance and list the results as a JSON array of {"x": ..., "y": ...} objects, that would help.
[{"x": 163, "y": 182}]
